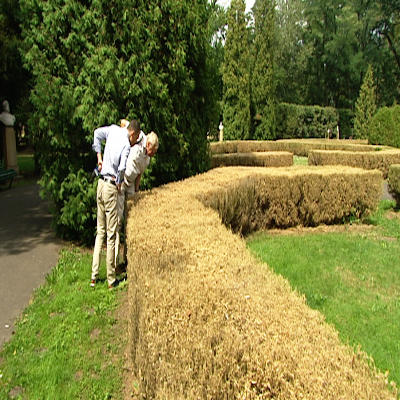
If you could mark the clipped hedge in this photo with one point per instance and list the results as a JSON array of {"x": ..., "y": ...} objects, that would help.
[
  {"x": 298, "y": 121},
  {"x": 208, "y": 321},
  {"x": 381, "y": 160},
  {"x": 260, "y": 159},
  {"x": 394, "y": 182},
  {"x": 385, "y": 127},
  {"x": 299, "y": 147}
]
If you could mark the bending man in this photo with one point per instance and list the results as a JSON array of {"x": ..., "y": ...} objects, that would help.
[
  {"x": 138, "y": 161},
  {"x": 111, "y": 167}
]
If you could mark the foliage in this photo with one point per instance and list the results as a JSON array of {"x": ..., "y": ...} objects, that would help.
[
  {"x": 346, "y": 122},
  {"x": 365, "y": 106},
  {"x": 14, "y": 79},
  {"x": 94, "y": 64},
  {"x": 236, "y": 75},
  {"x": 66, "y": 338},
  {"x": 394, "y": 182},
  {"x": 291, "y": 51},
  {"x": 295, "y": 121},
  {"x": 262, "y": 77},
  {"x": 385, "y": 127},
  {"x": 324, "y": 48},
  {"x": 215, "y": 59}
]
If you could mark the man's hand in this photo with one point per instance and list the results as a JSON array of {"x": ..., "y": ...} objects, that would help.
[{"x": 99, "y": 161}]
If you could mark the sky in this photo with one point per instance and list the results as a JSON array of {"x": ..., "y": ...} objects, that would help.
[{"x": 225, "y": 3}]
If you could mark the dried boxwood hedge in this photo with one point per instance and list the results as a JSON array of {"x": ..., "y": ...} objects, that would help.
[
  {"x": 394, "y": 182},
  {"x": 368, "y": 160},
  {"x": 208, "y": 321},
  {"x": 299, "y": 147},
  {"x": 260, "y": 159}
]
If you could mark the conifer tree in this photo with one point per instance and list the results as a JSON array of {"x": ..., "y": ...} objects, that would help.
[
  {"x": 365, "y": 106},
  {"x": 236, "y": 75},
  {"x": 95, "y": 62},
  {"x": 262, "y": 77}
]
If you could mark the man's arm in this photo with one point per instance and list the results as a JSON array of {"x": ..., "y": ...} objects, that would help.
[{"x": 100, "y": 134}]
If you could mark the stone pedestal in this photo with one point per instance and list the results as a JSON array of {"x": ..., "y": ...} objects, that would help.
[{"x": 10, "y": 151}]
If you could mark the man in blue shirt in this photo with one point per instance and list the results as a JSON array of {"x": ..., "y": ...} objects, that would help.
[{"x": 111, "y": 167}]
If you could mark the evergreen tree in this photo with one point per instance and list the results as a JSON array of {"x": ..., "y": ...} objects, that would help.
[
  {"x": 365, "y": 106},
  {"x": 263, "y": 82},
  {"x": 94, "y": 62},
  {"x": 236, "y": 75},
  {"x": 14, "y": 79}
]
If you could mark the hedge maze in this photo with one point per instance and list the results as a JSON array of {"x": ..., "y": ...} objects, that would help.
[{"x": 207, "y": 320}]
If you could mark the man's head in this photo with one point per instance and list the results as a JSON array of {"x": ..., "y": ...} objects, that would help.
[
  {"x": 151, "y": 144},
  {"x": 133, "y": 131}
]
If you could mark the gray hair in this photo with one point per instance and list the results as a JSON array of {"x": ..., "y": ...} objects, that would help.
[{"x": 152, "y": 138}]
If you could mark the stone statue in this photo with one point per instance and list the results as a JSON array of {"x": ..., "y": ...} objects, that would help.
[{"x": 6, "y": 117}]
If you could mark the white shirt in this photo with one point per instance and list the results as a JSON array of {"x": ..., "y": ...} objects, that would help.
[
  {"x": 116, "y": 150},
  {"x": 137, "y": 162}
]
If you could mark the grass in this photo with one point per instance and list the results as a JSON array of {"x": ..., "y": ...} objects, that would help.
[
  {"x": 297, "y": 160},
  {"x": 353, "y": 279},
  {"x": 68, "y": 343},
  {"x": 26, "y": 164}
]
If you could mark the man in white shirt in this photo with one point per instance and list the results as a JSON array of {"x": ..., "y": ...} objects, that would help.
[
  {"x": 138, "y": 160},
  {"x": 112, "y": 167}
]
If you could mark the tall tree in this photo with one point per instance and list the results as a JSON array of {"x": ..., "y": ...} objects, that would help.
[
  {"x": 217, "y": 35},
  {"x": 262, "y": 77},
  {"x": 14, "y": 79},
  {"x": 365, "y": 106},
  {"x": 236, "y": 75},
  {"x": 95, "y": 62},
  {"x": 291, "y": 51}
]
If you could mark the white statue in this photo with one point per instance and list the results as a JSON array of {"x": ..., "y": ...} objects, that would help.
[{"x": 6, "y": 117}]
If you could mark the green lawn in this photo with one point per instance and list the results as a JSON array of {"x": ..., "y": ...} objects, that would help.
[
  {"x": 353, "y": 279},
  {"x": 297, "y": 160},
  {"x": 68, "y": 343}
]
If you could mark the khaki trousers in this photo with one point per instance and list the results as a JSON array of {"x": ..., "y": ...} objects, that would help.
[{"x": 106, "y": 228}]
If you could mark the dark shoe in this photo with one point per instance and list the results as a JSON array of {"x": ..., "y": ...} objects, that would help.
[
  {"x": 113, "y": 285},
  {"x": 121, "y": 268}
]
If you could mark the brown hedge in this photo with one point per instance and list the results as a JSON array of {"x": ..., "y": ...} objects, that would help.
[
  {"x": 208, "y": 321},
  {"x": 368, "y": 160},
  {"x": 288, "y": 197},
  {"x": 299, "y": 147},
  {"x": 259, "y": 159},
  {"x": 394, "y": 182}
]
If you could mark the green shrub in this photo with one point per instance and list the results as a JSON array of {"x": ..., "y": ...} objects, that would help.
[
  {"x": 296, "y": 121},
  {"x": 385, "y": 127},
  {"x": 394, "y": 182}
]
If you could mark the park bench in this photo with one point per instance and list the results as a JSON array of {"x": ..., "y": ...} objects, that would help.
[{"x": 7, "y": 175}]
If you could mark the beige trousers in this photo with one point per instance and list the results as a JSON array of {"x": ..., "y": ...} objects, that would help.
[
  {"x": 106, "y": 228},
  {"x": 123, "y": 196},
  {"x": 121, "y": 223}
]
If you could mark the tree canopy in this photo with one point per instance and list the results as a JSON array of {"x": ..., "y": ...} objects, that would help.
[{"x": 96, "y": 62}]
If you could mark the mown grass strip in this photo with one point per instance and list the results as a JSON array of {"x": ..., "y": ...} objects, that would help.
[
  {"x": 68, "y": 343},
  {"x": 353, "y": 279}
]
